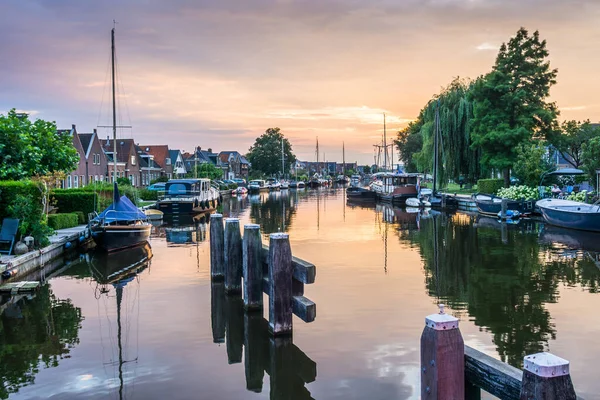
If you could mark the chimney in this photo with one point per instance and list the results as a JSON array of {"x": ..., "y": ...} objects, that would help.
[
  {"x": 95, "y": 131},
  {"x": 73, "y": 127}
]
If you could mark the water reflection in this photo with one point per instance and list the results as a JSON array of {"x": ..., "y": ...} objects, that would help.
[
  {"x": 247, "y": 337},
  {"x": 273, "y": 210},
  {"x": 36, "y": 331},
  {"x": 501, "y": 275}
]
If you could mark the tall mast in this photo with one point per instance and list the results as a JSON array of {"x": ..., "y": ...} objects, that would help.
[
  {"x": 114, "y": 105},
  {"x": 343, "y": 159},
  {"x": 435, "y": 145},
  {"x": 384, "y": 145},
  {"x": 318, "y": 166},
  {"x": 282, "y": 160}
]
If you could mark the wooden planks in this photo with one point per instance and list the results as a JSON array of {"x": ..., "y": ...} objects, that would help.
[
  {"x": 19, "y": 287},
  {"x": 491, "y": 375},
  {"x": 304, "y": 271}
]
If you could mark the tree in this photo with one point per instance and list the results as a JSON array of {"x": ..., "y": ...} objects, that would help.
[
  {"x": 570, "y": 139},
  {"x": 265, "y": 154},
  {"x": 531, "y": 163},
  {"x": 591, "y": 158},
  {"x": 207, "y": 170},
  {"x": 410, "y": 142},
  {"x": 367, "y": 169},
  {"x": 33, "y": 148},
  {"x": 509, "y": 103}
]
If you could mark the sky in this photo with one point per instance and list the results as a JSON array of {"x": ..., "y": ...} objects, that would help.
[{"x": 218, "y": 73}]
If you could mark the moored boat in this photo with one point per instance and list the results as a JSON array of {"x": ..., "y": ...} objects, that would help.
[
  {"x": 272, "y": 184},
  {"x": 257, "y": 185},
  {"x": 571, "y": 214},
  {"x": 489, "y": 204},
  {"x": 300, "y": 185},
  {"x": 395, "y": 188},
  {"x": 356, "y": 193},
  {"x": 285, "y": 185},
  {"x": 188, "y": 196}
]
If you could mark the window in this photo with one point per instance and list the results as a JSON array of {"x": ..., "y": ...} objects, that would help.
[
  {"x": 81, "y": 181},
  {"x": 168, "y": 161},
  {"x": 132, "y": 160},
  {"x": 101, "y": 177},
  {"x": 69, "y": 182},
  {"x": 96, "y": 178},
  {"x": 132, "y": 180},
  {"x": 177, "y": 188},
  {"x": 91, "y": 179},
  {"x": 76, "y": 182}
]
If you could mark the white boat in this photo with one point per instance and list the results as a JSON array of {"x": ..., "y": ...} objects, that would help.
[
  {"x": 285, "y": 185},
  {"x": 414, "y": 202},
  {"x": 272, "y": 184},
  {"x": 257, "y": 185},
  {"x": 300, "y": 185},
  {"x": 570, "y": 214}
]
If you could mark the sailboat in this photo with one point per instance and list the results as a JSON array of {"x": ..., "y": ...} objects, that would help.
[
  {"x": 342, "y": 178},
  {"x": 316, "y": 180},
  {"x": 122, "y": 224},
  {"x": 284, "y": 184}
]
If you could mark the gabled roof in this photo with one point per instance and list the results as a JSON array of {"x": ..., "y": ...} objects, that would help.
[
  {"x": 173, "y": 154},
  {"x": 244, "y": 160},
  {"x": 160, "y": 153},
  {"x": 86, "y": 139},
  {"x": 124, "y": 147}
]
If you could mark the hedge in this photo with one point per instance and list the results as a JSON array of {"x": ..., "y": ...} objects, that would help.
[
  {"x": 146, "y": 194},
  {"x": 81, "y": 217},
  {"x": 69, "y": 201},
  {"x": 9, "y": 191},
  {"x": 489, "y": 186},
  {"x": 62, "y": 221}
]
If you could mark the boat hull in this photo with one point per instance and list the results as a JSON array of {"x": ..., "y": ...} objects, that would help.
[
  {"x": 187, "y": 207},
  {"x": 490, "y": 207},
  {"x": 564, "y": 219},
  {"x": 112, "y": 238},
  {"x": 360, "y": 194}
]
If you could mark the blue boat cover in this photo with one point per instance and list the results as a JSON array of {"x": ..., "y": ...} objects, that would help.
[{"x": 122, "y": 210}]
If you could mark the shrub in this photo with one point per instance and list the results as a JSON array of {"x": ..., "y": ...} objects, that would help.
[
  {"x": 69, "y": 200},
  {"x": 31, "y": 219},
  {"x": 146, "y": 194},
  {"x": 159, "y": 179},
  {"x": 62, "y": 221},
  {"x": 81, "y": 217},
  {"x": 580, "y": 196},
  {"x": 9, "y": 190},
  {"x": 519, "y": 192},
  {"x": 232, "y": 186},
  {"x": 489, "y": 185}
]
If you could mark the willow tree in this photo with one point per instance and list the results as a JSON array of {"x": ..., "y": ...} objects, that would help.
[{"x": 455, "y": 157}]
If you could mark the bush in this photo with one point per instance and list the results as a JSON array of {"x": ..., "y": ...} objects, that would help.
[
  {"x": 62, "y": 221},
  {"x": 69, "y": 201},
  {"x": 232, "y": 186},
  {"x": 81, "y": 217},
  {"x": 159, "y": 179},
  {"x": 146, "y": 194},
  {"x": 580, "y": 196},
  {"x": 519, "y": 192},
  {"x": 489, "y": 186},
  {"x": 31, "y": 219},
  {"x": 9, "y": 190}
]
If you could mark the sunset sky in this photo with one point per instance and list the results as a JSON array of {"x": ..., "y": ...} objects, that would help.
[{"x": 217, "y": 73}]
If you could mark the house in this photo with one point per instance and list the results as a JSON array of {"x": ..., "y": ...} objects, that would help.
[
  {"x": 128, "y": 163},
  {"x": 76, "y": 178},
  {"x": 96, "y": 162},
  {"x": 149, "y": 169},
  {"x": 161, "y": 158},
  {"x": 199, "y": 156},
  {"x": 234, "y": 165},
  {"x": 179, "y": 169},
  {"x": 340, "y": 167}
]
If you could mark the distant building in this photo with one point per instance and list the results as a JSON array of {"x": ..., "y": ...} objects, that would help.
[
  {"x": 199, "y": 156},
  {"x": 77, "y": 177},
  {"x": 161, "y": 159},
  {"x": 234, "y": 165},
  {"x": 179, "y": 169},
  {"x": 128, "y": 160},
  {"x": 96, "y": 162}
]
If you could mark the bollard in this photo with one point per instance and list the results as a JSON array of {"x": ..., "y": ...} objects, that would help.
[
  {"x": 546, "y": 377},
  {"x": 253, "y": 268},
  {"x": 280, "y": 287},
  {"x": 503, "y": 209},
  {"x": 233, "y": 256},
  {"x": 217, "y": 263},
  {"x": 442, "y": 358}
]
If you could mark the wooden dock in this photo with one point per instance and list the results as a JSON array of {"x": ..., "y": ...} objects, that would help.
[{"x": 19, "y": 287}]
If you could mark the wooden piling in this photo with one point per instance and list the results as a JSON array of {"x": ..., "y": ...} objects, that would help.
[
  {"x": 546, "y": 377},
  {"x": 503, "y": 209},
  {"x": 233, "y": 256},
  {"x": 217, "y": 252},
  {"x": 280, "y": 279},
  {"x": 442, "y": 358},
  {"x": 252, "y": 267}
]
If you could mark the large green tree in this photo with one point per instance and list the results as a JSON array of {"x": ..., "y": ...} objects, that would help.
[
  {"x": 409, "y": 143},
  {"x": 33, "y": 148},
  {"x": 591, "y": 158},
  {"x": 510, "y": 103},
  {"x": 569, "y": 140},
  {"x": 265, "y": 154},
  {"x": 532, "y": 162}
]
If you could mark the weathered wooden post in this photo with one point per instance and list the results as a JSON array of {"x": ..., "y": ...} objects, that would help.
[
  {"x": 235, "y": 328},
  {"x": 442, "y": 358},
  {"x": 217, "y": 311},
  {"x": 280, "y": 284},
  {"x": 217, "y": 263},
  {"x": 546, "y": 377},
  {"x": 503, "y": 209},
  {"x": 233, "y": 256},
  {"x": 253, "y": 268}
]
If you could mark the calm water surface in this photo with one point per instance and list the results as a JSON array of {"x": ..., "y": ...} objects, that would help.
[{"x": 380, "y": 271}]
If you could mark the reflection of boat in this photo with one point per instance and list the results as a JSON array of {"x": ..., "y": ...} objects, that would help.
[
  {"x": 188, "y": 196},
  {"x": 489, "y": 204},
  {"x": 186, "y": 234},
  {"x": 239, "y": 191},
  {"x": 573, "y": 239},
  {"x": 570, "y": 214},
  {"x": 120, "y": 226}
]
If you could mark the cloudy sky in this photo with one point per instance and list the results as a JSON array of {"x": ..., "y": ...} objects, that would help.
[{"x": 217, "y": 73}]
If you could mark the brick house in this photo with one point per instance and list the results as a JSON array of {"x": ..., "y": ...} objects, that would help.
[
  {"x": 128, "y": 164},
  {"x": 161, "y": 157},
  {"x": 148, "y": 168},
  {"x": 96, "y": 162},
  {"x": 76, "y": 178},
  {"x": 234, "y": 165}
]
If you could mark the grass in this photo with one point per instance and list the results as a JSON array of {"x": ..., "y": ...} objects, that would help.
[
  {"x": 143, "y": 203},
  {"x": 455, "y": 188}
]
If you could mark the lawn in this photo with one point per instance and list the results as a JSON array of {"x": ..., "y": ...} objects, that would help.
[{"x": 455, "y": 188}]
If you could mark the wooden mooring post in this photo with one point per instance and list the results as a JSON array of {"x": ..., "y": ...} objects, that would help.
[
  {"x": 451, "y": 370},
  {"x": 264, "y": 269}
]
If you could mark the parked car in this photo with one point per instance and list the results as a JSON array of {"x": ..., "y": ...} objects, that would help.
[
  {"x": 240, "y": 181},
  {"x": 157, "y": 187}
]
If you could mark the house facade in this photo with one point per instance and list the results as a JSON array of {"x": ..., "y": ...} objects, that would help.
[
  {"x": 179, "y": 169},
  {"x": 76, "y": 178},
  {"x": 198, "y": 157},
  {"x": 96, "y": 162},
  {"x": 161, "y": 158},
  {"x": 234, "y": 165},
  {"x": 128, "y": 163}
]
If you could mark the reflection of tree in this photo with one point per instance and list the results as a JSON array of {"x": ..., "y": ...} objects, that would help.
[
  {"x": 503, "y": 286},
  {"x": 33, "y": 333},
  {"x": 274, "y": 213}
]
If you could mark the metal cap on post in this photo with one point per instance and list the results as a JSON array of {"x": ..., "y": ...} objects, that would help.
[
  {"x": 442, "y": 358},
  {"x": 546, "y": 376}
]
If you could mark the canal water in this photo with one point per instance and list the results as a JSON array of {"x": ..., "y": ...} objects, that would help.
[{"x": 124, "y": 327}]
